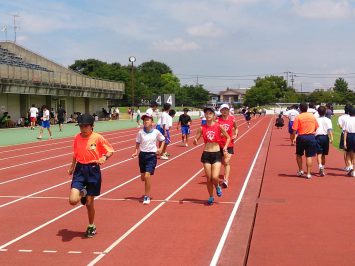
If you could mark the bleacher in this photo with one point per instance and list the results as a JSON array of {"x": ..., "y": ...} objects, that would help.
[{"x": 9, "y": 58}]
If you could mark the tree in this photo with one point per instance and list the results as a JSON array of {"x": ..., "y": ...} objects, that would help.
[{"x": 341, "y": 86}]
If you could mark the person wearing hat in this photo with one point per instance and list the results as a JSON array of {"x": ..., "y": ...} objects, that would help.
[
  {"x": 146, "y": 142},
  {"x": 230, "y": 125},
  {"x": 90, "y": 151},
  {"x": 185, "y": 123},
  {"x": 211, "y": 157}
]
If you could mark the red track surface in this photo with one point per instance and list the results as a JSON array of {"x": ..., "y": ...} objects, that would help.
[{"x": 41, "y": 228}]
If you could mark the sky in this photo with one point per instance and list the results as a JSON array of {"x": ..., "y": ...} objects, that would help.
[{"x": 218, "y": 43}]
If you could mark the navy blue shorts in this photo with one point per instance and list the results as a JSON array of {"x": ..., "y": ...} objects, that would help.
[
  {"x": 185, "y": 130},
  {"x": 290, "y": 124},
  {"x": 306, "y": 143},
  {"x": 45, "y": 124},
  {"x": 89, "y": 176},
  {"x": 147, "y": 162},
  {"x": 322, "y": 144},
  {"x": 350, "y": 142},
  {"x": 341, "y": 142}
]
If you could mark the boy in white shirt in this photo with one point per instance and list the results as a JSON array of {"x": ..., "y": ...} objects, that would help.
[
  {"x": 162, "y": 124},
  {"x": 33, "y": 116},
  {"x": 169, "y": 124},
  {"x": 45, "y": 123},
  {"x": 146, "y": 141},
  {"x": 324, "y": 136},
  {"x": 349, "y": 139},
  {"x": 341, "y": 123},
  {"x": 291, "y": 115}
]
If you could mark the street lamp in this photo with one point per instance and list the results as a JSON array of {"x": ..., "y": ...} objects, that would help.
[{"x": 132, "y": 59}]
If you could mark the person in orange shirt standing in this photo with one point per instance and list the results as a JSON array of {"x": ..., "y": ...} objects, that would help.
[
  {"x": 306, "y": 125},
  {"x": 90, "y": 151}
]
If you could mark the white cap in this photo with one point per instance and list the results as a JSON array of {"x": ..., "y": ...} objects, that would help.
[{"x": 224, "y": 106}]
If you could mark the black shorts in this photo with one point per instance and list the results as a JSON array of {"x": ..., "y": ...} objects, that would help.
[
  {"x": 229, "y": 149},
  {"x": 89, "y": 176},
  {"x": 306, "y": 143},
  {"x": 350, "y": 142},
  {"x": 211, "y": 157},
  {"x": 322, "y": 144},
  {"x": 60, "y": 120}
]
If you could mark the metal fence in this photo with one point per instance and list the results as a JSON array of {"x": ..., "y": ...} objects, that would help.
[{"x": 57, "y": 79}]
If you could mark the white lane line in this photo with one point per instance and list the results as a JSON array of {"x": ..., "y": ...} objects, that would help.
[
  {"x": 25, "y": 250},
  {"x": 223, "y": 239},
  {"x": 74, "y": 252},
  {"x": 3, "y": 249},
  {"x": 129, "y": 231},
  {"x": 78, "y": 207},
  {"x": 49, "y": 251}
]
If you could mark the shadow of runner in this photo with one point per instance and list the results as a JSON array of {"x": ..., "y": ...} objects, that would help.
[{"x": 68, "y": 235}]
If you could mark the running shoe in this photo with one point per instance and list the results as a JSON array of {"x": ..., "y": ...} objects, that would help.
[
  {"x": 186, "y": 145},
  {"x": 210, "y": 200},
  {"x": 218, "y": 191},
  {"x": 225, "y": 183},
  {"x": 164, "y": 157},
  {"x": 91, "y": 231},
  {"x": 83, "y": 194},
  {"x": 321, "y": 171},
  {"x": 39, "y": 137},
  {"x": 300, "y": 173},
  {"x": 309, "y": 176},
  {"x": 146, "y": 200},
  {"x": 351, "y": 172}
]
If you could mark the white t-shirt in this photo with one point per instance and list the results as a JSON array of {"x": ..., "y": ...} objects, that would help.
[
  {"x": 138, "y": 112},
  {"x": 325, "y": 124},
  {"x": 163, "y": 119},
  {"x": 342, "y": 119},
  {"x": 169, "y": 122},
  {"x": 148, "y": 141},
  {"x": 311, "y": 110},
  {"x": 291, "y": 114},
  {"x": 33, "y": 111},
  {"x": 350, "y": 125},
  {"x": 45, "y": 115}
]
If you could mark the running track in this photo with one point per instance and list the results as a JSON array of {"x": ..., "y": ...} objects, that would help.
[{"x": 39, "y": 227}]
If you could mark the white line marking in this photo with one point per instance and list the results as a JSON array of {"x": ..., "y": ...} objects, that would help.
[
  {"x": 236, "y": 206},
  {"x": 129, "y": 231},
  {"x": 74, "y": 252},
  {"x": 3, "y": 249},
  {"x": 25, "y": 250},
  {"x": 49, "y": 251}
]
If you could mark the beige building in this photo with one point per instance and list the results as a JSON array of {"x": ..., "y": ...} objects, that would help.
[
  {"x": 232, "y": 96},
  {"x": 28, "y": 78}
]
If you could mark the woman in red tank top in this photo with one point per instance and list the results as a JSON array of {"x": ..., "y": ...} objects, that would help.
[{"x": 211, "y": 156}]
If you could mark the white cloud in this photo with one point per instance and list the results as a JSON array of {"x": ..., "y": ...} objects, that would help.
[
  {"x": 208, "y": 29},
  {"x": 177, "y": 44},
  {"x": 323, "y": 9}
]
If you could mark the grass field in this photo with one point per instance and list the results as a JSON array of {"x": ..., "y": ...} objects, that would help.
[{"x": 336, "y": 131}]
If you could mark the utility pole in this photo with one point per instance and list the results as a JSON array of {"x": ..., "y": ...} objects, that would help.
[
  {"x": 292, "y": 78},
  {"x": 197, "y": 81},
  {"x": 15, "y": 27},
  {"x": 287, "y": 72}
]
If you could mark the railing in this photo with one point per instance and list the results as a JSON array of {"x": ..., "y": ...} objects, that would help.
[{"x": 37, "y": 77}]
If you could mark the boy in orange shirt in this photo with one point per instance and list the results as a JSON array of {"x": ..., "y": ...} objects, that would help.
[{"x": 90, "y": 151}]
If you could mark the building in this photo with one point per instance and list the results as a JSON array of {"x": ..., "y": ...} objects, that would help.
[
  {"x": 232, "y": 96},
  {"x": 28, "y": 78}
]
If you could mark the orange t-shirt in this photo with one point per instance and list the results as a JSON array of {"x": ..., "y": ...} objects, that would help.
[
  {"x": 305, "y": 124},
  {"x": 90, "y": 149}
]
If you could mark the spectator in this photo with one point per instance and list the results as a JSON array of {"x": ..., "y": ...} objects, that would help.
[{"x": 33, "y": 116}]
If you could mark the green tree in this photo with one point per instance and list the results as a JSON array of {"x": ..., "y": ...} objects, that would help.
[{"x": 341, "y": 86}]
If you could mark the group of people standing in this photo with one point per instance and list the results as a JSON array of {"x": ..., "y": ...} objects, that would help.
[
  {"x": 311, "y": 131},
  {"x": 92, "y": 149}
]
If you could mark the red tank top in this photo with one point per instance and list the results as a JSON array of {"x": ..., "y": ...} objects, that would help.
[
  {"x": 211, "y": 133},
  {"x": 228, "y": 125}
]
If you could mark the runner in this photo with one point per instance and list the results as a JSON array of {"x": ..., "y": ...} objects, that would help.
[
  {"x": 306, "y": 125},
  {"x": 349, "y": 139},
  {"x": 138, "y": 119},
  {"x": 33, "y": 116},
  {"x": 341, "y": 123},
  {"x": 146, "y": 141},
  {"x": 162, "y": 125},
  {"x": 60, "y": 117},
  {"x": 211, "y": 156},
  {"x": 90, "y": 151},
  {"x": 230, "y": 125},
  {"x": 45, "y": 123},
  {"x": 247, "y": 116},
  {"x": 185, "y": 123},
  {"x": 324, "y": 135},
  {"x": 291, "y": 115}
]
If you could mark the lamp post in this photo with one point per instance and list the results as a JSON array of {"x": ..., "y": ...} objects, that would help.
[{"x": 132, "y": 59}]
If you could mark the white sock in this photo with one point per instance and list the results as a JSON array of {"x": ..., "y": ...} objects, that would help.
[{"x": 320, "y": 165}]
